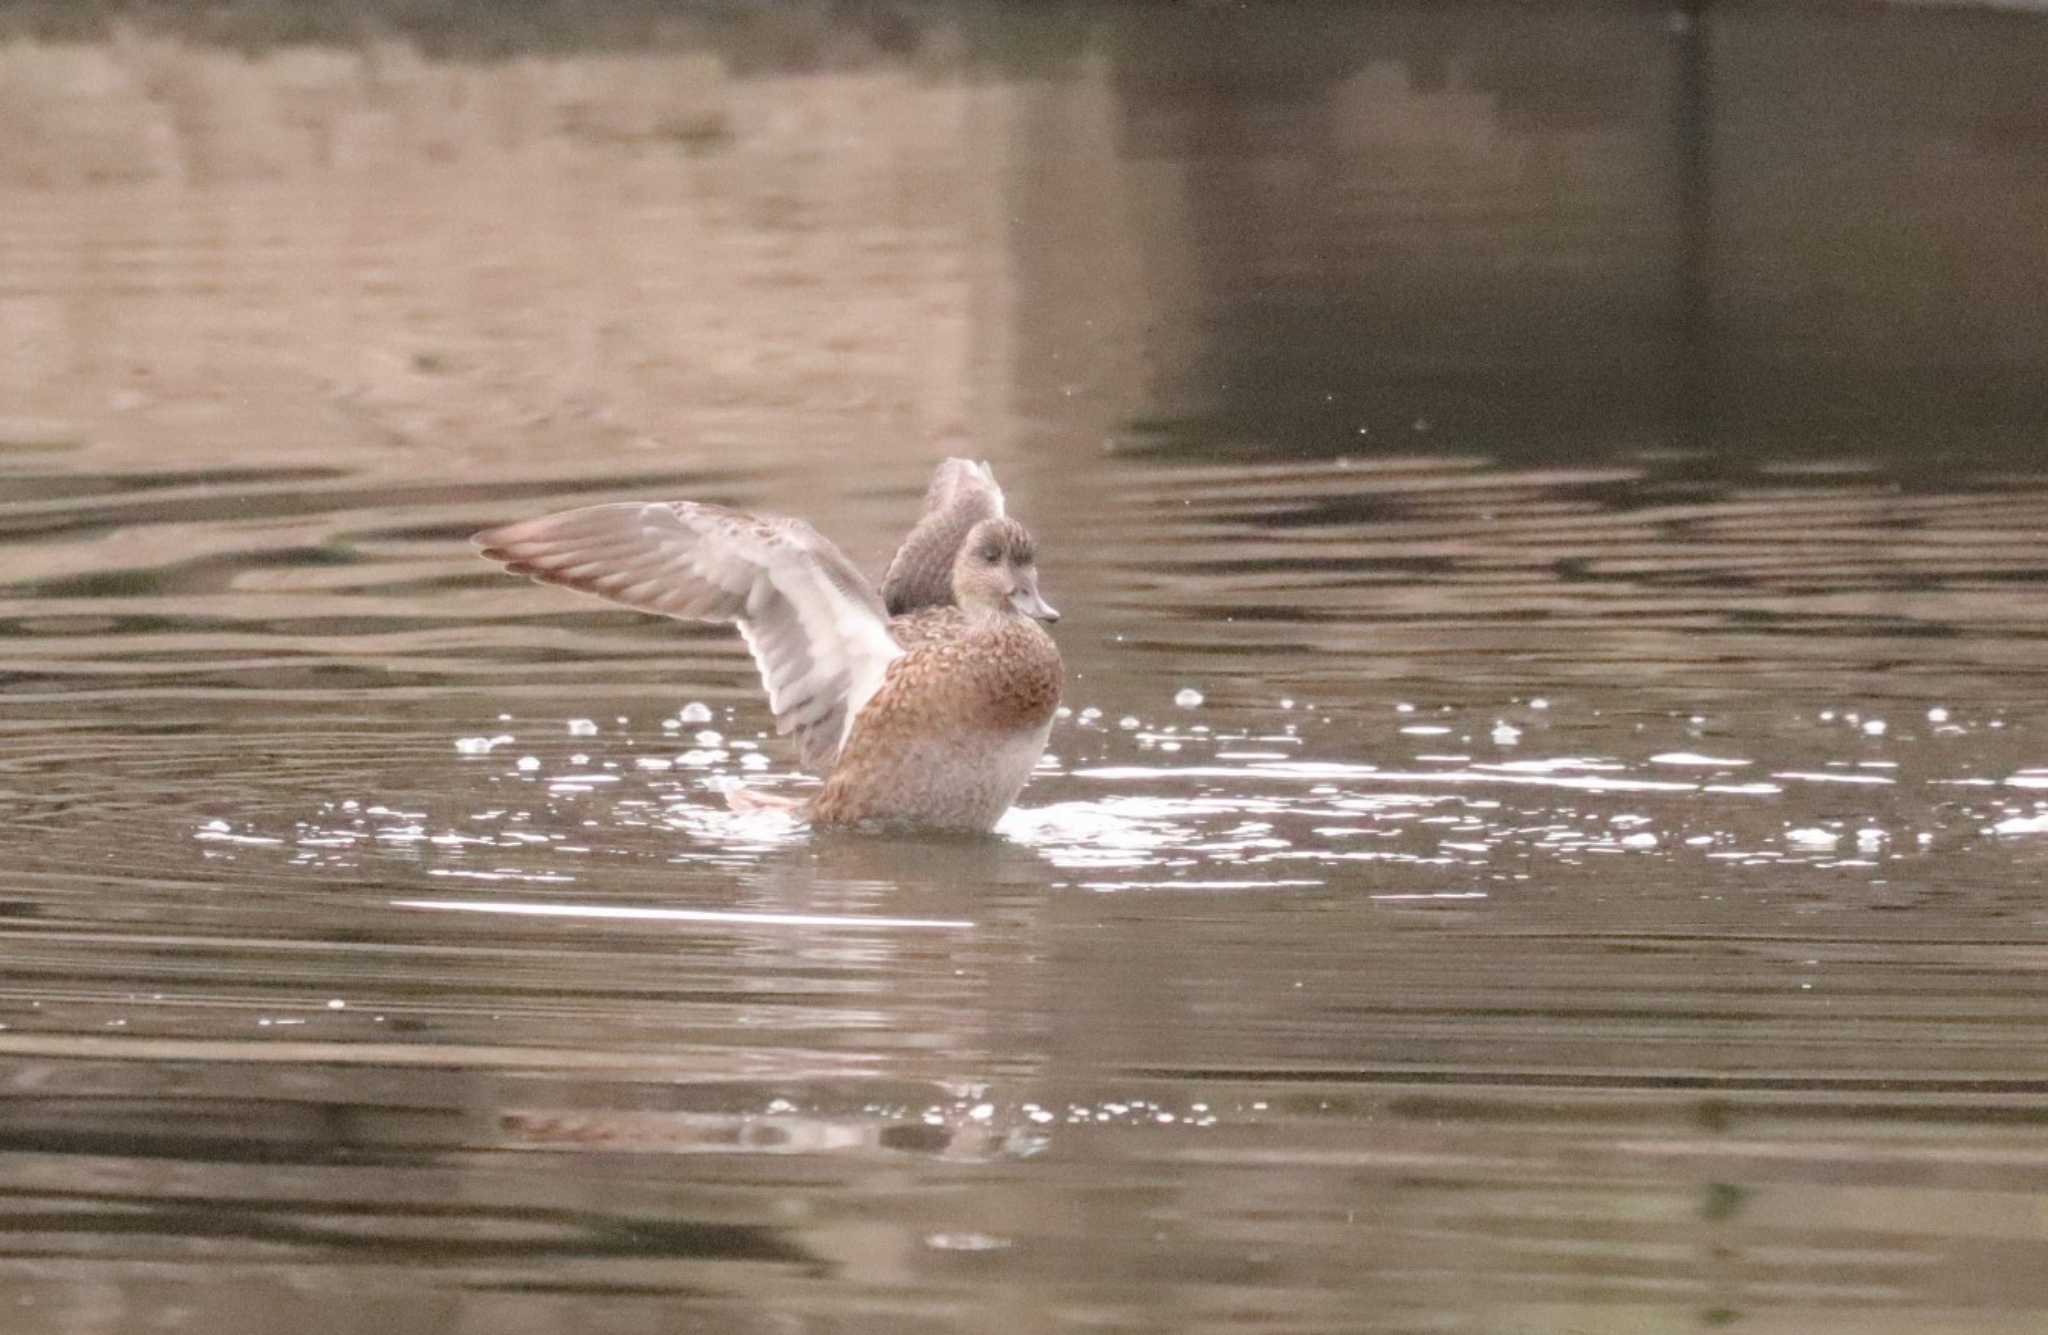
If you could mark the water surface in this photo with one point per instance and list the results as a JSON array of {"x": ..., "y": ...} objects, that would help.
[{"x": 1547, "y": 829}]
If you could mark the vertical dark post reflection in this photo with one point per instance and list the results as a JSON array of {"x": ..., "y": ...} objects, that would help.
[{"x": 1693, "y": 424}]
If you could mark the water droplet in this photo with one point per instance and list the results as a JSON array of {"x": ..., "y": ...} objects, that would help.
[
  {"x": 582, "y": 727},
  {"x": 965, "y": 1242},
  {"x": 1187, "y": 697},
  {"x": 695, "y": 712}
]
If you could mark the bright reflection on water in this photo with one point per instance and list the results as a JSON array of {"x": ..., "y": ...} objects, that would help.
[
  {"x": 1185, "y": 801},
  {"x": 1548, "y": 826}
]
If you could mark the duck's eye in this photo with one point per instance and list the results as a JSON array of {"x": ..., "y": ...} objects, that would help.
[{"x": 991, "y": 554}]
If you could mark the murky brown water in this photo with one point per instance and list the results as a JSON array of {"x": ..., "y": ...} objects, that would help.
[{"x": 1551, "y": 829}]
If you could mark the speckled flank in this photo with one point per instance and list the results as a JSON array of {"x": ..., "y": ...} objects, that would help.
[{"x": 955, "y": 730}]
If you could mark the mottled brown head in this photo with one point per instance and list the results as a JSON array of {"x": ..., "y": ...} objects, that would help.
[{"x": 997, "y": 570}]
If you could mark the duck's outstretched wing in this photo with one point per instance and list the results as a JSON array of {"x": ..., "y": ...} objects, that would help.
[
  {"x": 962, "y": 494},
  {"x": 816, "y": 629}
]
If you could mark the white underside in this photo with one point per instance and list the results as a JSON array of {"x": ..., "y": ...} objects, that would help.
[
  {"x": 963, "y": 781},
  {"x": 1015, "y": 757}
]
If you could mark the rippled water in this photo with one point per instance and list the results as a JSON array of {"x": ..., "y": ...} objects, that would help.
[{"x": 1494, "y": 872}]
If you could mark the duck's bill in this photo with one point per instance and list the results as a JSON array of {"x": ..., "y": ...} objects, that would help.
[{"x": 1030, "y": 604}]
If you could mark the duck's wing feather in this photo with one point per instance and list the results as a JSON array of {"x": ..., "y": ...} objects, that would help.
[
  {"x": 962, "y": 494},
  {"x": 815, "y": 626}
]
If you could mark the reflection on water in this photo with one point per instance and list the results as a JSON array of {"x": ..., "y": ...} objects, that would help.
[{"x": 1547, "y": 828}]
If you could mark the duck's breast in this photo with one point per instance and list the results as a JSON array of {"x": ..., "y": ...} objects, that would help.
[{"x": 953, "y": 734}]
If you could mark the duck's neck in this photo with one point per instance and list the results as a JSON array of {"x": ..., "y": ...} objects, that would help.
[{"x": 991, "y": 616}]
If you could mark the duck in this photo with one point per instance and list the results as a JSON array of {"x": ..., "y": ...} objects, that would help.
[{"x": 925, "y": 704}]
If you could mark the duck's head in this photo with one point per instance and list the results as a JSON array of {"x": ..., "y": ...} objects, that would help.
[{"x": 997, "y": 570}]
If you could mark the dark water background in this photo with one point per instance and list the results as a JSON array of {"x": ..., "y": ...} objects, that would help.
[{"x": 1549, "y": 506}]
